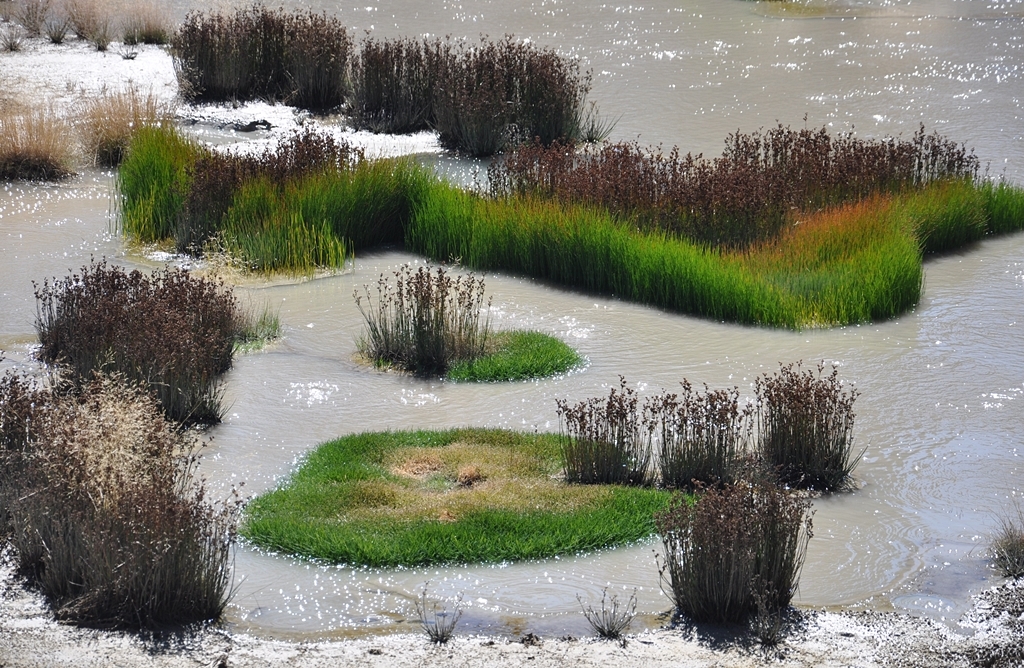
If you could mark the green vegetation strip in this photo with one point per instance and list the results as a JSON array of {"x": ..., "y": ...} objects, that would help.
[
  {"x": 854, "y": 263},
  {"x": 429, "y": 497},
  {"x": 518, "y": 355}
]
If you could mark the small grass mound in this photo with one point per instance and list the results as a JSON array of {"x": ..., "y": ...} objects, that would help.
[
  {"x": 518, "y": 355},
  {"x": 427, "y": 497}
]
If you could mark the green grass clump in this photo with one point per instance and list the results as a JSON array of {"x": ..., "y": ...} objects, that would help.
[
  {"x": 427, "y": 497},
  {"x": 152, "y": 182},
  {"x": 1004, "y": 207},
  {"x": 256, "y": 328},
  {"x": 518, "y": 355}
]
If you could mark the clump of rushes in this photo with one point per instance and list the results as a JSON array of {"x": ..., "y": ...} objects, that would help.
[
  {"x": 12, "y": 38},
  {"x": 1004, "y": 207},
  {"x": 256, "y": 327},
  {"x": 170, "y": 330},
  {"x": 744, "y": 196},
  {"x": 102, "y": 506},
  {"x": 805, "y": 427},
  {"x": 702, "y": 435},
  {"x": 35, "y": 144},
  {"x": 947, "y": 216},
  {"x": 603, "y": 441},
  {"x": 614, "y": 617},
  {"x": 439, "y": 625},
  {"x": 262, "y": 53},
  {"x": 89, "y": 19},
  {"x": 424, "y": 321},
  {"x": 57, "y": 28},
  {"x": 393, "y": 83},
  {"x": 733, "y": 541},
  {"x": 431, "y": 497},
  {"x": 495, "y": 95},
  {"x": 216, "y": 178},
  {"x": 108, "y": 122},
  {"x": 517, "y": 355},
  {"x": 1008, "y": 546}
]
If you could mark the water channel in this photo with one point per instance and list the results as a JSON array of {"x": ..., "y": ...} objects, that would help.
[{"x": 942, "y": 388}]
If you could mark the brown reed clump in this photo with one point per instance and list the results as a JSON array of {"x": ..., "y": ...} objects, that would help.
[
  {"x": 169, "y": 330},
  {"x": 216, "y": 177},
  {"x": 702, "y": 435},
  {"x": 496, "y": 95},
  {"x": 733, "y": 549},
  {"x": 805, "y": 427},
  {"x": 101, "y": 504},
  {"x": 262, "y": 53},
  {"x": 425, "y": 320},
  {"x": 744, "y": 196},
  {"x": 92, "y": 21},
  {"x": 108, "y": 122},
  {"x": 604, "y": 440},
  {"x": 35, "y": 144},
  {"x": 393, "y": 83}
]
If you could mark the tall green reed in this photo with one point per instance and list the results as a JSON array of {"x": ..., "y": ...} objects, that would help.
[{"x": 153, "y": 181}]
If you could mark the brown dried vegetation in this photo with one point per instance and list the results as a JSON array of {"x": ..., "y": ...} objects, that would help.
[
  {"x": 732, "y": 546},
  {"x": 171, "y": 331},
  {"x": 604, "y": 440},
  {"x": 99, "y": 499},
  {"x": 745, "y": 196}
]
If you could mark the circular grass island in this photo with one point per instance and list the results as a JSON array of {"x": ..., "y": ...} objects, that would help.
[{"x": 416, "y": 498}]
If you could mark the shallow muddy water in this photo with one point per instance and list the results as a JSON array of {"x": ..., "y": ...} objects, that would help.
[
  {"x": 939, "y": 417},
  {"x": 942, "y": 388}
]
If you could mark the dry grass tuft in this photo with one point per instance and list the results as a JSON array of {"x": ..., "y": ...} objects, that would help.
[
  {"x": 12, "y": 38},
  {"x": 109, "y": 122},
  {"x": 35, "y": 144},
  {"x": 103, "y": 509},
  {"x": 92, "y": 20},
  {"x": 1008, "y": 546}
]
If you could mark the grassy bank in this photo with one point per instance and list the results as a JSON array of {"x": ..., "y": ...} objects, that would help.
[{"x": 459, "y": 496}]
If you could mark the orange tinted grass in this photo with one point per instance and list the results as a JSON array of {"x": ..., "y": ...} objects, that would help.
[{"x": 816, "y": 240}]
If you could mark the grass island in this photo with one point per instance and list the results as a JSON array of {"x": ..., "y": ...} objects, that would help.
[{"x": 414, "y": 498}]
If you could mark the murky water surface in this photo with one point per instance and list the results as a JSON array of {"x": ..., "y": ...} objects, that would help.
[{"x": 942, "y": 388}]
